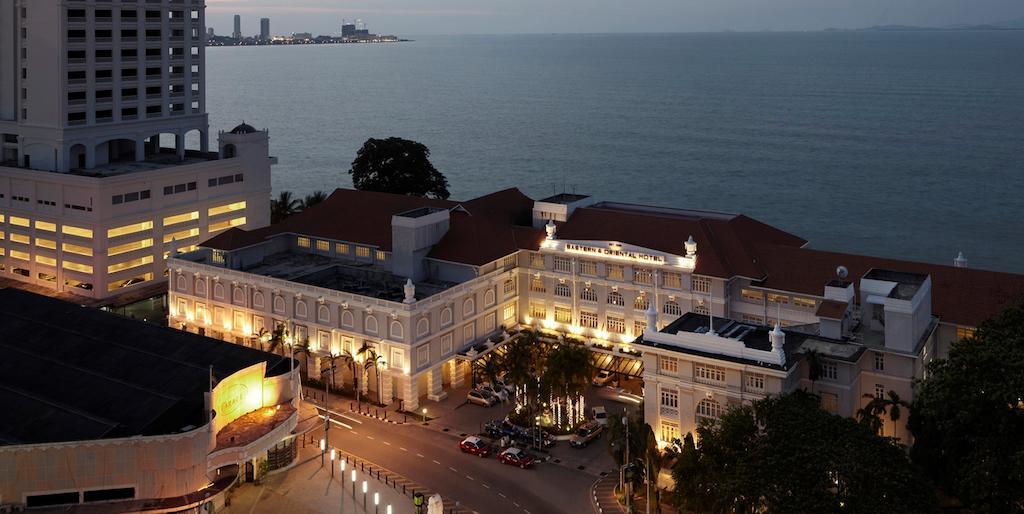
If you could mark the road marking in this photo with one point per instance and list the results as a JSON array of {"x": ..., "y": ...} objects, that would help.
[
  {"x": 516, "y": 504},
  {"x": 485, "y": 485},
  {"x": 354, "y": 432},
  {"x": 336, "y": 422},
  {"x": 438, "y": 463},
  {"x": 469, "y": 477},
  {"x": 370, "y": 438},
  {"x": 526, "y": 511},
  {"x": 351, "y": 418},
  {"x": 420, "y": 455},
  {"x": 387, "y": 443},
  {"x": 502, "y": 495},
  {"x": 453, "y": 469},
  {"x": 403, "y": 449}
]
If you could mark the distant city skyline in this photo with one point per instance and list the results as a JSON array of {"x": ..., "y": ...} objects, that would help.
[{"x": 412, "y": 17}]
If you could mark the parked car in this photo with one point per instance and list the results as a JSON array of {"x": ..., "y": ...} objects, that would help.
[
  {"x": 586, "y": 433},
  {"x": 481, "y": 398},
  {"x": 601, "y": 416},
  {"x": 498, "y": 392},
  {"x": 602, "y": 378},
  {"x": 516, "y": 457},
  {"x": 475, "y": 446},
  {"x": 509, "y": 388}
]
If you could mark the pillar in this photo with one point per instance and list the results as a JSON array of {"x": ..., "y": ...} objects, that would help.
[
  {"x": 387, "y": 392},
  {"x": 140, "y": 149},
  {"x": 434, "y": 378},
  {"x": 179, "y": 146},
  {"x": 90, "y": 155},
  {"x": 458, "y": 377},
  {"x": 318, "y": 362},
  {"x": 410, "y": 394},
  {"x": 204, "y": 141},
  {"x": 364, "y": 380}
]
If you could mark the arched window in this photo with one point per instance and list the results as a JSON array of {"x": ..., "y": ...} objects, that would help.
[
  {"x": 347, "y": 319},
  {"x": 489, "y": 298},
  {"x": 641, "y": 303},
  {"x": 279, "y": 304},
  {"x": 672, "y": 308},
  {"x": 397, "y": 330},
  {"x": 200, "y": 287},
  {"x": 238, "y": 295},
  {"x": 182, "y": 283},
  {"x": 563, "y": 291},
  {"x": 257, "y": 300},
  {"x": 615, "y": 298},
  {"x": 218, "y": 290},
  {"x": 300, "y": 308},
  {"x": 446, "y": 316},
  {"x": 371, "y": 324},
  {"x": 588, "y": 295},
  {"x": 422, "y": 327},
  {"x": 323, "y": 314},
  {"x": 709, "y": 409},
  {"x": 468, "y": 307}
]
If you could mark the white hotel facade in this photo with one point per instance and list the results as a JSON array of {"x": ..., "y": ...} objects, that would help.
[
  {"x": 428, "y": 282},
  {"x": 90, "y": 201}
]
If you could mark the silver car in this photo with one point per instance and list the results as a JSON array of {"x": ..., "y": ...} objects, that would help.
[{"x": 481, "y": 398}]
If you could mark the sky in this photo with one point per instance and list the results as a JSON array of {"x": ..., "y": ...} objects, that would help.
[{"x": 428, "y": 17}]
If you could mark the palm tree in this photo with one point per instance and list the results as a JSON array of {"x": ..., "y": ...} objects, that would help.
[
  {"x": 520, "y": 363},
  {"x": 282, "y": 207},
  {"x": 569, "y": 369},
  {"x": 303, "y": 348},
  {"x": 488, "y": 369},
  {"x": 351, "y": 361},
  {"x": 277, "y": 337},
  {"x": 813, "y": 366},
  {"x": 371, "y": 360},
  {"x": 312, "y": 199},
  {"x": 890, "y": 403}
]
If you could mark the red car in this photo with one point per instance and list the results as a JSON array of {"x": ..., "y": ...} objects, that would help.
[
  {"x": 475, "y": 446},
  {"x": 516, "y": 457}
]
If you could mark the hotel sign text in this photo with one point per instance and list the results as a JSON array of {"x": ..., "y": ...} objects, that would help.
[{"x": 614, "y": 253}]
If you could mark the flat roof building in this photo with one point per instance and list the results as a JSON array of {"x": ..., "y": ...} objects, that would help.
[{"x": 102, "y": 408}]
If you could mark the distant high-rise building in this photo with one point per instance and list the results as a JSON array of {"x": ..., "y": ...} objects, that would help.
[
  {"x": 209, "y": 33},
  {"x": 265, "y": 29},
  {"x": 237, "y": 34},
  {"x": 348, "y": 29}
]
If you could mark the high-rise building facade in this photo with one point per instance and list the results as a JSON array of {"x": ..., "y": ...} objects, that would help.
[
  {"x": 97, "y": 101},
  {"x": 237, "y": 34},
  {"x": 265, "y": 29}
]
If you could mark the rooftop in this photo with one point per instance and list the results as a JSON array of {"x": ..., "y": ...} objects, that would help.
[
  {"x": 72, "y": 373},
  {"x": 565, "y": 198},
  {"x": 165, "y": 159}
]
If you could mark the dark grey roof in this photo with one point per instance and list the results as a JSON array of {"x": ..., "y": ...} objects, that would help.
[
  {"x": 243, "y": 128},
  {"x": 72, "y": 373}
]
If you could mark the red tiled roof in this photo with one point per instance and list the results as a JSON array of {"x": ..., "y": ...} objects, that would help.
[
  {"x": 961, "y": 296},
  {"x": 486, "y": 228},
  {"x": 831, "y": 309},
  {"x": 235, "y": 238},
  {"x": 723, "y": 241}
]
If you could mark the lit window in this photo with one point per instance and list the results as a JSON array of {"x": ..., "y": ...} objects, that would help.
[
  {"x": 563, "y": 265},
  {"x": 20, "y": 255},
  {"x": 537, "y": 260},
  {"x": 538, "y": 310},
  {"x": 20, "y": 238},
  {"x": 181, "y": 218},
  {"x": 755, "y": 382},
  {"x": 18, "y": 222},
  {"x": 49, "y": 261},
  {"x": 74, "y": 266},
  {"x": 668, "y": 364},
  {"x": 76, "y": 231},
  {"x": 231, "y": 207},
  {"x": 965, "y": 333},
  {"x": 341, "y": 248},
  {"x": 708, "y": 374},
  {"x": 130, "y": 229},
  {"x": 588, "y": 319},
  {"x": 588, "y": 268},
  {"x": 615, "y": 271},
  {"x": 362, "y": 251},
  {"x": 778, "y": 298},
  {"x": 303, "y": 242},
  {"x": 381, "y": 256},
  {"x": 221, "y": 225},
  {"x": 537, "y": 285},
  {"x": 509, "y": 287},
  {"x": 639, "y": 327},
  {"x": 807, "y": 303},
  {"x": 669, "y": 431},
  {"x": 323, "y": 246},
  {"x": 508, "y": 313},
  {"x": 641, "y": 303},
  {"x": 750, "y": 318},
  {"x": 46, "y": 243},
  {"x": 643, "y": 276},
  {"x": 616, "y": 325},
  {"x": 80, "y": 250},
  {"x": 700, "y": 285},
  {"x": 563, "y": 314},
  {"x": 672, "y": 280},
  {"x": 752, "y": 295},
  {"x": 47, "y": 226},
  {"x": 181, "y": 234},
  {"x": 129, "y": 247},
  {"x": 134, "y": 263}
]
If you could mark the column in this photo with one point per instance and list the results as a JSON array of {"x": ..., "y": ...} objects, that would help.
[
  {"x": 434, "y": 378},
  {"x": 140, "y": 149},
  {"x": 387, "y": 392},
  {"x": 179, "y": 146},
  {"x": 204, "y": 139},
  {"x": 90, "y": 155},
  {"x": 458, "y": 377},
  {"x": 410, "y": 394},
  {"x": 310, "y": 373},
  {"x": 364, "y": 380}
]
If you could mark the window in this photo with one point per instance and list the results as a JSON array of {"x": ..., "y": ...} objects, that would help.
[
  {"x": 49, "y": 261},
  {"x": 879, "y": 361},
  {"x": 672, "y": 308},
  {"x": 200, "y": 287},
  {"x": 80, "y": 250},
  {"x": 20, "y": 238},
  {"x": 670, "y": 398},
  {"x": 371, "y": 324},
  {"x": 134, "y": 263},
  {"x": 701, "y": 308},
  {"x": 181, "y": 218},
  {"x": 778, "y": 298},
  {"x": 129, "y": 247},
  {"x": 45, "y": 225},
  {"x": 363, "y": 252},
  {"x": 616, "y": 325},
  {"x": 74, "y": 266},
  {"x": 177, "y": 188},
  {"x": 509, "y": 287},
  {"x": 257, "y": 300},
  {"x": 752, "y": 295},
  {"x": 323, "y": 246},
  {"x": 965, "y": 333},
  {"x": 303, "y": 242},
  {"x": 537, "y": 260},
  {"x": 446, "y": 316},
  {"x": 641, "y": 303},
  {"x": 341, "y": 249},
  {"x": 588, "y": 268},
  {"x": 615, "y": 298},
  {"x": 588, "y": 319},
  {"x": 668, "y": 364},
  {"x": 231, "y": 207},
  {"x": 700, "y": 285},
  {"x": 221, "y": 225},
  {"x": 537, "y": 285},
  {"x": 468, "y": 333},
  {"x": 563, "y": 265},
  {"x": 669, "y": 431},
  {"x": 563, "y": 314},
  {"x": 489, "y": 298},
  {"x": 879, "y": 391},
  {"x": 397, "y": 330},
  {"x": 709, "y": 409},
  {"x": 643, "y": 276},
  {"x": 588, "y": 295},
  {"x": 422, "y": 327},
  {"x": 218, "y": 290},
  {"x": 489, "y": 323},
  {"x": 129, "y": 229},
  {"x": 639, "y": 327},
  {"x": 830, "y": 402},
  {"x": 323, "y": 314},
  {"x": 380, "y": 256},
  {"x": 508, "y": 261},
  {"x": 300, "y": 309},
  {"x": 422, "y": 356},
  {"x": 538, "y": 310},
  {"x": 829, "y": 370},
  {"x": 755, "y": 382},
  {"x": 279, "y": 304},
  {"x": 672, "y": 280},
  {"x": 347, "y": 318},
  {"x": 446, "y": 344},
  {"x": 19, "y": 222},
  {"x": 615, "y": 271},
  {"x": 563, "y": 291},
  {"x": 468, "y": 307},
  {"x": 508, "y": 314},
  {"x": 708, "y": 374},
  {"x": 181, "y": 234},
  {"x": 750, "y": 318},
  {"x": 76, "y": 231},
  {"x": 807, "y": 303}
]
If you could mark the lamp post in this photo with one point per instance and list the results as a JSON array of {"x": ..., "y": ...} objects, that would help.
[
  {"x": 424, "y": 414},
  {"x": 376, "y": 503},
  {"x": 536, "y": 432},
  {"x": 364, "y": 495},
  {"x": 332, "y": 462},
  {"x": 353, "y": 485},
  {"x": 323, "y": 451},
  {"x": 341, "y": 507},
  {"x": 389, "y": 509}
]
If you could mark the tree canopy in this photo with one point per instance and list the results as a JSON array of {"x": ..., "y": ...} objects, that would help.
[
  {"x": 785, "y": 454},
  {"x": 968, "y": 417},
  {"x": 396, "y": 165}
]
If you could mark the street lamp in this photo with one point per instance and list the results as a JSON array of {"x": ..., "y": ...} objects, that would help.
[
  {"x": 323, "y": 450},
  {"x": 376, "y": 503},
  {"x": 332, "y": 462},
  {"x": 389, "y": 509},
  {"x": 353, "y": 485},
  {"x": 341, "y": 507},
  {"x": 364, "y": 495},
  {"x": 424, "y": 414}
]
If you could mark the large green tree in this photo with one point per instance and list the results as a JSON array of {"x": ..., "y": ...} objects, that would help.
[
  {"x": 785, "y": 455},
  {"x": 968, "y": 417},
  {"x": 396, "y": 165}
]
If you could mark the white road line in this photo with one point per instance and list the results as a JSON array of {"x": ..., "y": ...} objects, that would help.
[
  {"x": 336, "y": 422},
  {"x": 438, "y": 463},
  {"x": 420, "y": 455},
  {"x": 350, "y": 418},
  {"x": 516, "y": 504},
  {"x": 469, "y": 477},
  {"x": 485, "y": 485},
  {"x": 387, "y": 443},
  {"x": 526, "y": 511},
  {"x": 502, "y": 495},
  {"x": 354, "y": 432},
  {"x": 370, "y": 437},
  {"x": 453, "y": 469},
  {"x": 403, "y": 449}
]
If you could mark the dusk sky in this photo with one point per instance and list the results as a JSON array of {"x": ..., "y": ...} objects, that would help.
[{"x": 421, "y": 17}]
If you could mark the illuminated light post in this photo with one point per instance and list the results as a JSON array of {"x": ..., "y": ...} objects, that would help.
[
  {"x": 376, "y": 503},
  {"x": 389, "y": 509},
  {"x": 332, "y": 462},
  {"x": 323, "y": 451},
  {"x": 341, "y": 506},
  {"x": 424, "y": 414},
  {"x": 364, "y": 495},
  {"x": 353, "y": 485}
]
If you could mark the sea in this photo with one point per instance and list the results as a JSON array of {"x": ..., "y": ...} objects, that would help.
[{"x": 907, "y": 145}]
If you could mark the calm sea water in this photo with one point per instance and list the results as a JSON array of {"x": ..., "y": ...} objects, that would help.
[{"x": 908, "y": 145}]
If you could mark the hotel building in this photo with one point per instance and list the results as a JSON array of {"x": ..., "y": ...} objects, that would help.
[
  {"x": 91, "y": 202},
  {"x": 428, "y": 283},
  {"x": 99, "y": 409}
]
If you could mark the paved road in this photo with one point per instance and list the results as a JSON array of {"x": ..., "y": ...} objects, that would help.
[{"x": 483, "y": 485}]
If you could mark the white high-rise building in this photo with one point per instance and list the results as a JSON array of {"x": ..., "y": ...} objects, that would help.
[
  {"x": 237, "y": 34},
  {"x": 90, "y": 201}
]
